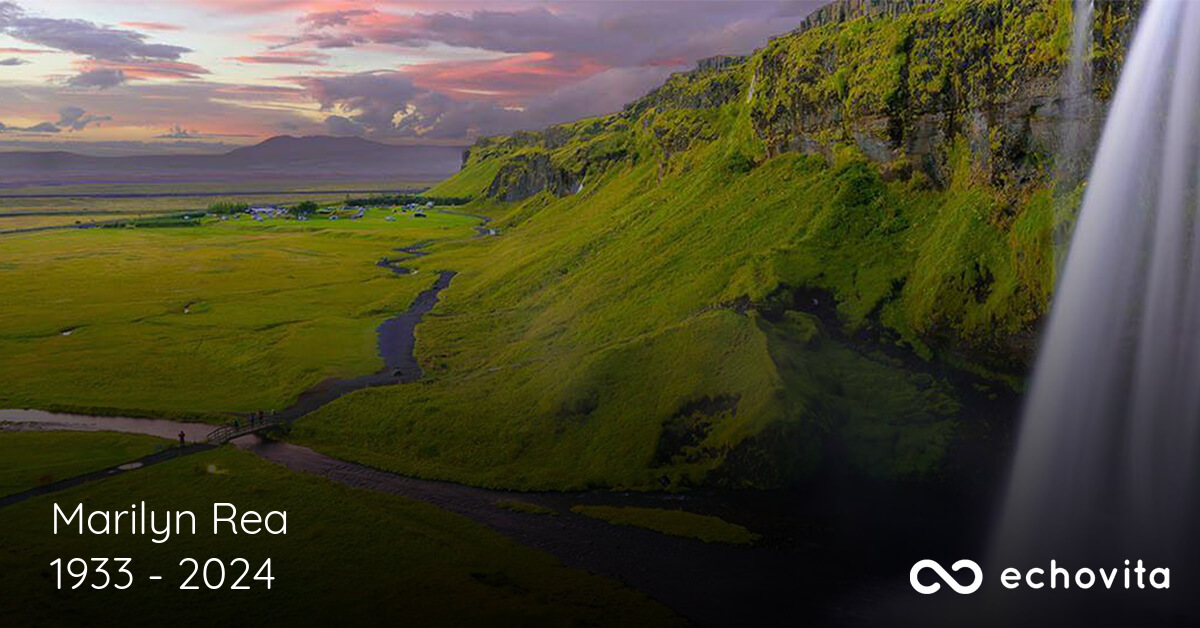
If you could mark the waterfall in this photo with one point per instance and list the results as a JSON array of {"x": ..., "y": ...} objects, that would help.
[
  {"x": 1077, "y": 106},
  {"x": 1106, "y": 458}
]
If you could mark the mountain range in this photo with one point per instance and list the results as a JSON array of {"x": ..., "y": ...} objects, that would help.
[{"x": 283, "y": 157}]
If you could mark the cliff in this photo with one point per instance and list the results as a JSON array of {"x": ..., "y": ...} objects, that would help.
[{"x": 905, "y": 88}]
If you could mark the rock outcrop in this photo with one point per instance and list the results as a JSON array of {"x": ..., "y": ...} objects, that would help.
[{"x": 906, "y": 81}]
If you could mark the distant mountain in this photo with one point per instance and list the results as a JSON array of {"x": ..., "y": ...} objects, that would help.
[{"x": 284, "y": 157}]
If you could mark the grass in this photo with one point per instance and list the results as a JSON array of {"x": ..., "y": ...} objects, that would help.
[
  {"x": 9, "y": 222},
  {"x": 674, "y": 522},
  {"x": 229, "y": 316},
  {"x": 525, "y": 507},
  {"x": 349, "y": 557},
  {"x": 35, "y": 458},
  {"x": 85, "y": 206},
  {"x": 662, "y": 326},
  {"x": 569, "y": 348}
]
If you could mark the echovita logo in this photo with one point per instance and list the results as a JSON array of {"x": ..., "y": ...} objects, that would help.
[{"x": 1035, "y": 578}]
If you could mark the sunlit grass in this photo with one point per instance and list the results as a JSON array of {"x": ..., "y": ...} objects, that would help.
[{"x": 230, "y": 316}]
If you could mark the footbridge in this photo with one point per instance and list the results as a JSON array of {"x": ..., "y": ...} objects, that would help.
[{"x": 222, "y": 435}]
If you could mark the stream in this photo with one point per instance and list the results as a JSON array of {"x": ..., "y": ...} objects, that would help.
[{"x": 822, "y": 554}]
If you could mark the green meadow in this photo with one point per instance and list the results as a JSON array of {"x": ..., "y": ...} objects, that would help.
[
  {"x": 674, "y": 522},
  {"x": 80, "y": 199},
  {"x": 624, "y": 336},
  {"x": 34, "y": 458},
  {"x": 380, "y": 559},
  {"x": 196, "y": 321}
]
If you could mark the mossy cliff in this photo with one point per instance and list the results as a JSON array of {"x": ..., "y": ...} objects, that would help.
[
  {"x": 831, "y": 256},
  {"x": 904, "y": 89}
]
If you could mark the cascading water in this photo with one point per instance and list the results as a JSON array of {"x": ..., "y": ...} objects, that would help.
[
  {"x": 1077, "y": 104},
  {"x": 1106, "y": 464}
]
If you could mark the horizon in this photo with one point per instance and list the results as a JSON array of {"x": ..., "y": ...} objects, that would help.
[
  {"x": 218, "y": 149},
  {"x": 210, "y": 76}
]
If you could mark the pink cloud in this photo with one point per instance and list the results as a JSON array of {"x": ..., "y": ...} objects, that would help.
[
  {"x": 509, "y": 78},
  {"x": 152, "y": 26},
  {"x": 285, "y": 57},
  {"x": 140, "y": 70}
]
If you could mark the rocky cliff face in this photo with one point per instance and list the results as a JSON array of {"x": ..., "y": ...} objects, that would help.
[{"x": 905, "y": 81}]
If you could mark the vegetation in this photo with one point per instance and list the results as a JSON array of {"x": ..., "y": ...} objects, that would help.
[
  {"x": 230, "y": 316},
  {"x": 674, "y": 522},
  {"x": 82, "y": 199},
  {"x": 681, "y": 297},
  {"x": 525, "y": 507},
  {"x": 305, "y": 208},
  {"x": 35, "y": 458},
  {"x": 225, "y": 208},
  {"x": 381, "y": 556},
  {"x": 387, "y": 200},
  {"x": 761, "y": 271}
]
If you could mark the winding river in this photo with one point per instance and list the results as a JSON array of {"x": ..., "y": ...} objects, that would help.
[{"x": 694, "y": 578}]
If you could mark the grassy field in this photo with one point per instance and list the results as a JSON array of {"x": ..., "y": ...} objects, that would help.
[
  {"x": 84, "y": 206},
  {"x": 599, "y": 341},
  {"x": 34, "y": 458},
  {"x": 9, "y": 222},
  {"x": 674, "y": 522},
  {"x": 229, "y": 316},
  {"x": 525, "y": 507},
  {"x": 376, "y": 559}
]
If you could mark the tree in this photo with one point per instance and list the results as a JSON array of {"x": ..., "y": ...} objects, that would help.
[
  {"x": 305, "y": 208},
  {"x": 225, "y": 207}
]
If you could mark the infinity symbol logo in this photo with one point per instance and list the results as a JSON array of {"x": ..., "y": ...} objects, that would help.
[{"x": 926, "y": 589}]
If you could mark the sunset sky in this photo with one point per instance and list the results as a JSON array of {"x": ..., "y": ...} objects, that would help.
[{"x": 126, "y": 76}]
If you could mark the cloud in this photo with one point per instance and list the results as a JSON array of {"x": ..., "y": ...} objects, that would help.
[
  {"x": 152, "y": 26},
  {"x": 286, "y": 57},
  {"x": 343, "y": 126},
  {"x": 373, "y": 99},
  {"x": 325, "y": 19},
  {"x": 100, "y": 78},
  {"x": 11, "y": 61},
  {"x": 105, "y": 74},
  {"x": 177, "y": 132},
  {"x": 77, "y": 119},
  {"x": 609, "y": 34},
  {"x": 390, "y": 104},
  {"x": 530, "y": 65},
  {"x": 26, "y": 51},
  {"x": 101, "y": 44},
  {"x": 44, "y": 127},
  {"x": 82, "y": 37},
  {"x": 70, "y": 118},
  {"x": 492, "y": 67}
]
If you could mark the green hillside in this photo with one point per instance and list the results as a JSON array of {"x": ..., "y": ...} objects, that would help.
[{"x": 802, "y": 261}]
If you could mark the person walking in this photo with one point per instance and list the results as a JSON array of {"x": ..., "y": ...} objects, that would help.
[{"x": 181, "y": 437}]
